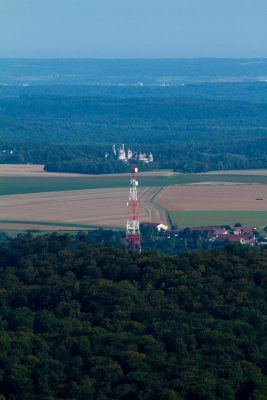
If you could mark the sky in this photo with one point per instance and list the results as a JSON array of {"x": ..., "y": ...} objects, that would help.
[{"x": 133, "y": 28}]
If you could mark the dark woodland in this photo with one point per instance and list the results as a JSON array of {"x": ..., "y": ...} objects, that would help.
[{"x": 87, "y": 321}]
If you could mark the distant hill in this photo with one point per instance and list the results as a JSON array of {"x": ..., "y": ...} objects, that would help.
[
  {"x": 193, "y": 114},
  {"x": 130, "y": 72}
]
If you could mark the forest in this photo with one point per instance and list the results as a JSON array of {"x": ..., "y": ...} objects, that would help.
[
  {"x": 81, "y": 321},
  {"x": 72, "y": 133}
]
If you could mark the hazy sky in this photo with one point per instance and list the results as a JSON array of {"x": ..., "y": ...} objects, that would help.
[{"x": 133, "y": 28}]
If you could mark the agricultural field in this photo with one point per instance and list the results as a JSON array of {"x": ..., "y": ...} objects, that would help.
[
  {"x": 21, "y": 184},
  {"x": 37, "y": 170},
  {"x": 31, "y": 184},
  {"x": 184, "y": 219},
  {"x": 215, "y": 204},
  {"x": 74, "y": 210},
  {"x": 33, "y": 199},
  {"x": 238, "y": 172},
  {"x": 213, "y": 197}
]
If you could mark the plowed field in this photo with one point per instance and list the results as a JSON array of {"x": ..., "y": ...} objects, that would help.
[
  {"x": 80, "y": 209},
  {"x": 212, "y": 197}
]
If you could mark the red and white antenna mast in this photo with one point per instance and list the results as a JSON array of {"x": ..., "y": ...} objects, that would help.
[{"x": 133, "y": 238}]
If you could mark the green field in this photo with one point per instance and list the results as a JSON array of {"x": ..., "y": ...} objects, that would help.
[
  {"x": 19, "y": 185},
  {"x": 203, "y": 218}
]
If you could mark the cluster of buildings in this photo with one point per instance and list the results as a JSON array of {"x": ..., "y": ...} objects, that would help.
[
  {"x": 217, "y": 234},
  {"x": 240, "y": 234},
  {"x": 121, "y": 154}
]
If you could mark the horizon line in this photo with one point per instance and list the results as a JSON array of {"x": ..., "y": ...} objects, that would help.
[{"x": 134, "y": 58}]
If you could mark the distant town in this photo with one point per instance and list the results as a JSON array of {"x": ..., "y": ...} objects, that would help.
[
  {"x": 120, "y": 154},
  {"x": 218, "y": 234}
]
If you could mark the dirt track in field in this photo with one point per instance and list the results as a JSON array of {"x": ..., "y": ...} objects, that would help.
[
  {"x": 103, "y": 207},
  {"x": 207, "y": 197}
]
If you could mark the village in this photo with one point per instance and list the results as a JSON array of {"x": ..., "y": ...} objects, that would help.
[{"x": 244, "y": 235}]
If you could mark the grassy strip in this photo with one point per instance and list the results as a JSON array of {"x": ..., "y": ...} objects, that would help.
[
  {"x": 198, "y": 218},
  {"x": 23, "y": 185},
  {"x": 14, "y": 185}
]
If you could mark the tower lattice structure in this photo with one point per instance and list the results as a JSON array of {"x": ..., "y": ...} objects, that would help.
[{"x": 133, "y": 238}]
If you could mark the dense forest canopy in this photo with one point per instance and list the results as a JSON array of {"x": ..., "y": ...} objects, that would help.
[
  {"x": 86, "y": 321},
  {"x": 72, "y": 133},
  {"x": 194, "y": 115}
]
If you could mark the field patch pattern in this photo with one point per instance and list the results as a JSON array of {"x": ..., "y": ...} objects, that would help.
[
  {"x": 203, "y": 218},
  {"x": 33, "y": 199},
  {"x": 77, "y": 209},
  {"x": 238, "y": 172},
  {"x": 22, "y": 179},
  {"x": 209, "y": 197},
  {"x": 215, "y": 204}
]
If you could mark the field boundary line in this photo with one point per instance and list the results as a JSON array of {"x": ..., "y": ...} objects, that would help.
[
  {"x": 63, "y": 224},
  {"x": 166, "y": 212}
]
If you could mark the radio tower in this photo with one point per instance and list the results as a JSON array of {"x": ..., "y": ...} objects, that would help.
[{"x": 132, "y": 239}]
